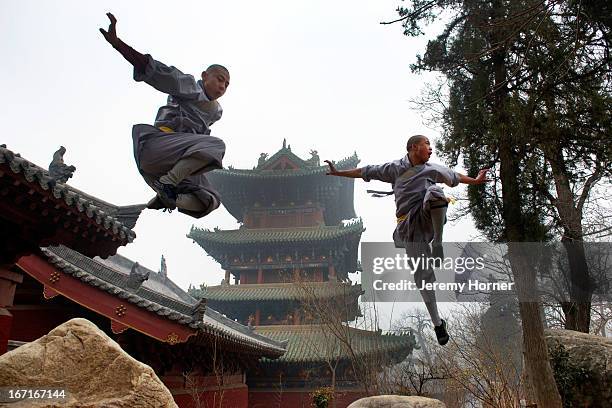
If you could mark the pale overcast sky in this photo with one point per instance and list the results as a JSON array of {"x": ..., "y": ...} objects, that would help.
[{"x": 325, "y": 75}]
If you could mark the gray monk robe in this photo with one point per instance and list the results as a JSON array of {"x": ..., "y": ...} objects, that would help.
[
  {"x": 186, "y": 121},
  {"x": 415, "y": 189},
  {"x": 415, "y": 192}
]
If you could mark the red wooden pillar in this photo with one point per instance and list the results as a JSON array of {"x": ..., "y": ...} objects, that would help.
[
  {"x": 8, "y": 284},
  {"x": 318, "y": 275},
  {"x": 260, "y": 278},
  {"x": 296, "y": 316},
  {"x": 6, "y": 320},
  {"x": 257, "y": 317},
  {"x": 331, "y": 273}
]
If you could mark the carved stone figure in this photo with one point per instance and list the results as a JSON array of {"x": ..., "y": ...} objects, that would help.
[
  {"x": 57, "y": 169},
  {"x": 314, "y": 159},
  {"x": 262, "y": 159},
  {"x": 137, "y": 277},
  {"x": 163, "y": 269},
  {"x": 199, "y": 309}
]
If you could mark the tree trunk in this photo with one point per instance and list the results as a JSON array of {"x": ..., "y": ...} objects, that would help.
[
  {"x": 578, "y": 310},
  {"x": 333, "y": 385},
  {"x": 537, "y": 363},
  {"x": 534, "y": 345}
]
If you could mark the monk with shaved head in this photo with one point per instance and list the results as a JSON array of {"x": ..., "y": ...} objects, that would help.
[
  {"x": 175, "y": 153},
  {"x": 420, "y": 209}
]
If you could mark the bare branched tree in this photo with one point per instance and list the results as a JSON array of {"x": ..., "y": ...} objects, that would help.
[{"x": 345, "y": 347}]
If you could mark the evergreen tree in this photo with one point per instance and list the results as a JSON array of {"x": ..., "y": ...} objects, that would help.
[{"x": 529, "y": 92}]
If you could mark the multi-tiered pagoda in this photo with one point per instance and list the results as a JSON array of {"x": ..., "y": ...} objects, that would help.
[{"x": 296, "y": 246}]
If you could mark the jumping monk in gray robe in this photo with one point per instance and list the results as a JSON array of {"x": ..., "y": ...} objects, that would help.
[
  {"x": 420, "y": 209},
  {"x": 174, "y": 155}
]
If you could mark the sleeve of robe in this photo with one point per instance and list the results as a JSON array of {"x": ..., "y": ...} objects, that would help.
[
  {"x": 446, "y": 175},
  {"x": 169, "y": 80},
  {"x": 387, "y": 172}
]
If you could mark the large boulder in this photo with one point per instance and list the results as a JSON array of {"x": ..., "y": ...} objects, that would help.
[
  {"x": 582, "y": 364},
  {"x": 93, "y": 370},
  {"x": 397, "y": 401}
]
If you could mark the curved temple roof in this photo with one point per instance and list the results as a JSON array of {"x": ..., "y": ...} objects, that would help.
[
  {"x": 225, "y": 246},
  {"x": 280, "y": 291},
  {"x": 186, "y": 312},
  {"x": 285, "y": 178},
  {"x": 243, "y": 236},
  {"x": 253, "y": 175},
  {"x": 95, "y": 226},
  {"x": 316, "y": 343}
]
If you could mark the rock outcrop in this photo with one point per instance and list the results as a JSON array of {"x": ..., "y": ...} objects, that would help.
[
  {"x": 92, "y": 369},
  {"x": 583, "y": 367},
  {"x": 397, "y": 401}
]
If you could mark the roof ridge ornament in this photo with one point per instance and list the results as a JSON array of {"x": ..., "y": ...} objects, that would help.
[
  {"x": 263, "y": 157},
  {"x": 314, "y": 158},
  {"x": 199, "y": 310},
  {"x": 137, "y": 277},
  {"x": 163, "y": 268},
  {"x": 58, "y": 170}
]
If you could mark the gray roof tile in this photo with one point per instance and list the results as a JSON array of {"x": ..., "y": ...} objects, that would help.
[
  {"x": 242, "y": 236},
  {"x": 316, "y": 343},
  {"x": 279, "y": 291}
]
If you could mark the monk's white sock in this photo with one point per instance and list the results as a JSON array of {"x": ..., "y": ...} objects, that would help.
[
  {"x": 181, "y": 170},
  {"x": 432, "y": 308},
  {"x": 429, "y": 298}
]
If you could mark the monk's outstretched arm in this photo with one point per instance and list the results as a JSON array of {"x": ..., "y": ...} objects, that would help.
[
  {"x": 480, "y": 179},
  {"x": 138, "y": 60},
  {"x": 352, "y": 173}
]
